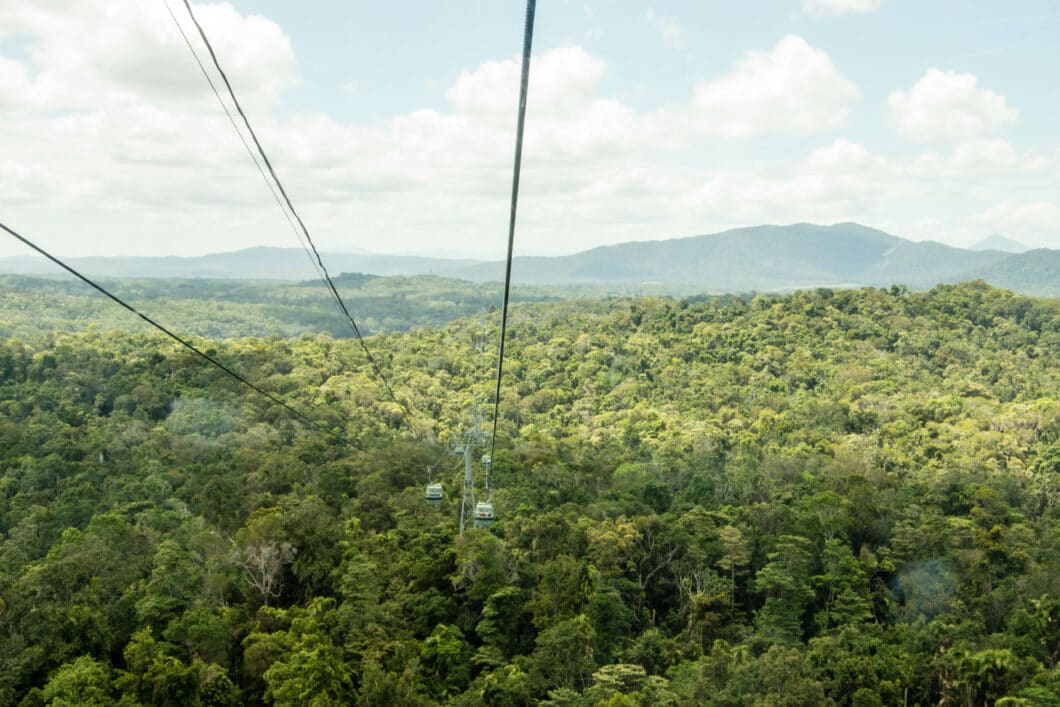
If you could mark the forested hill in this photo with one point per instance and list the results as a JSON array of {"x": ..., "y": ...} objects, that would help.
[
  {"x": 826, "y": 498},
  {"x": 231, "y": 308},
  {"x": 220, "y": 309},
  {"x": 1038, "y": 269},
  {"x": 765, "y": 258}
]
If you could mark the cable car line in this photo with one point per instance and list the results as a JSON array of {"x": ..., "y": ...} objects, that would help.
[
  {"x": 528, "y": 36},
  {"x": 242, "y": 138},
  {"x": 305, "y": 231},
  {"x": 183, "y": 342},
  {"x": 322, "y": 269},
  {"x": 443, "y": 455}
]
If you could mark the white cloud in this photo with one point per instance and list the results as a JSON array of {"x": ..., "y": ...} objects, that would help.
[
  {"x": 977, "y": 159},
  {"x": 564, "y": 115},
  {"x": 15, "y": 85},
  {"x": 668, "y": 29},
  {"x": 822, "y": 8},
  {"x": 23, "y": 183},
  {"x": 562, "y": 79},
  {"x": 88, "y": 53},
  {"x": 915, "y": 198},
  {"x": 841, "y": 181},
  {"x": 793, "y": 87},
  {"x": 946, "y": 105},
  {"x": 107, "y": 128},
  {"x": 135, "y": 158},
  {"x": 1031, "y": 222},
  {"x": 843, "y": 156}
]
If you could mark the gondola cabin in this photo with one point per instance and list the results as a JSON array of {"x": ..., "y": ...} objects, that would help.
[
  {"x": 483, "y": 514},
  {"x": 434, "y": 495}
]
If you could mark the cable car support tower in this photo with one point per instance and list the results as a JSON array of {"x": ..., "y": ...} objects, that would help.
[{"x": 474, "y": 439}]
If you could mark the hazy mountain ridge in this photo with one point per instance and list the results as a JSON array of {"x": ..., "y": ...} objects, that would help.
[
  {"x": 780, "y": 258},
  {"x": 760, "y": 257},
  {"x": 1000, "y": 242},
  {"x": 927, "y": 263},
  {"x": 764, "y": 258},
  {"x": 249, "y": 263},
  {"x": 1036, "y": 271}
]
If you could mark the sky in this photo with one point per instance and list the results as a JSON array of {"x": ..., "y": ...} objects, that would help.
[{"x": 392, "y": 125}]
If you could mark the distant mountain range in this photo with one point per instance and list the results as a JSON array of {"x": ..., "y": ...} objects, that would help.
[
  {"x": 762, "y": 258},
  {"x": 248, "y": 264}
]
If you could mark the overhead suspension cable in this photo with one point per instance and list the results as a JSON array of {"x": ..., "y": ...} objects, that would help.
[
  {"x": 183, "y": 342},
  {"x": 305, "y": 231},
  {"x": 528, "y": 36},
  {"x": 242, "y": 139},
  {"x": 443, "y": 455}
]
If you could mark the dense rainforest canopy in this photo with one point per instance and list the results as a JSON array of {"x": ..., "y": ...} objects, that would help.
[
  {"x": 829, "y": 497},
  {"x": 221, "y": 309}
]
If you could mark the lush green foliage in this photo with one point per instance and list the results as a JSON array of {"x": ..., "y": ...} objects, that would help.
[
  {"x": 1035, "y": 272},
  {"x": 846, "y": 497},
  {"x": 219, "y": 309}
]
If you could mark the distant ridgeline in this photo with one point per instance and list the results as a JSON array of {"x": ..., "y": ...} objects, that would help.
[
  {"x": 760, "y": 258},
  {"x": 833, "y": 497}
]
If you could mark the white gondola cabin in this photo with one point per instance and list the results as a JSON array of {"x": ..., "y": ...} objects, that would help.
[
  {"x": 434, "y": 495},
  {"x": 483, "y": 514}
]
